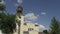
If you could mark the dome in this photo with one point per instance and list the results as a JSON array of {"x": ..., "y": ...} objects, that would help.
[{"x": 20, "y": 8}]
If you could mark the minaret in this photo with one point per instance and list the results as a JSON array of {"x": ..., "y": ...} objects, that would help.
[{"x": 18, "y": 17}]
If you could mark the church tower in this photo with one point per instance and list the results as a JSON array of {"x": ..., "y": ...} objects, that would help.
[{"x": 19, "y": 19}]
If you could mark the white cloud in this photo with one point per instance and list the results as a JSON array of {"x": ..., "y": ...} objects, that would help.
[
  {"x": 41, "y": 28},
  {"x": 43, "y": 13},
  {"x": 20, "y": 1},
  {"x": 2, "y": 2},
  {"x": 30, "y": 17}
]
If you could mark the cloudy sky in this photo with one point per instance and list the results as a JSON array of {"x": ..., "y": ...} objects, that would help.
[{"x": 37, "y": 11}]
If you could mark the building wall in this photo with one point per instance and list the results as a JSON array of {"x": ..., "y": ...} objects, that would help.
[
  {"x": 30, "y": 26},
  {"x": 26, "y": 26},
  {"x": 22, "y": 21}
]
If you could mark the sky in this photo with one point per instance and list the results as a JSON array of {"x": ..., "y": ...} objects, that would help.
[{"x": 37, "y": 11}]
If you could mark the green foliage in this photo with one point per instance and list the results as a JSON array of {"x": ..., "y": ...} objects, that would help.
[
  {"x": 7, "y": 23},
  {"x": 2, "y": 7},
  {"x": 55, "y": 26},
  {"x": 0, "y": 0}
]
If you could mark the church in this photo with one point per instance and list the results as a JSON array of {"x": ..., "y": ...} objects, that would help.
[{"x": 22, "y": 27}]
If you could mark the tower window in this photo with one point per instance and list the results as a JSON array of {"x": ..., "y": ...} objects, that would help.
[
  {"x": 30, "y": 29},
  {"x": 19, "y": 12}
]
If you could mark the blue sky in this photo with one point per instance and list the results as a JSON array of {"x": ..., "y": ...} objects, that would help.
[{"x": 45, "y": 9}]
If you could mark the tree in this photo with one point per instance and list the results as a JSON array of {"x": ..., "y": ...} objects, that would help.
[
  {"x": 55, "y": 26},
  {"x": 2, "y": 7},
  {"x": 7, "y": 23}
]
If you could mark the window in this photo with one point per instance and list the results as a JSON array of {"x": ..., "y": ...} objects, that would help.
[
  {"x": 36, "y": 25},
  {"x": 25, "y": 32},
  {"x": 30, "y": 29}
]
